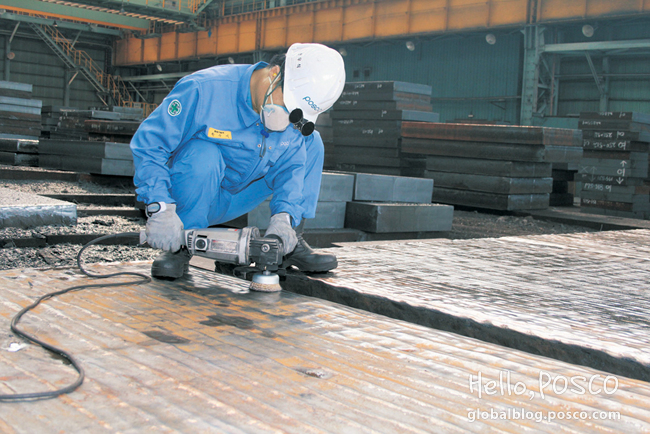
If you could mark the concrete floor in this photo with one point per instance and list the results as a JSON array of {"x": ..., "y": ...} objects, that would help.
[{"x": 205, "y": 355}]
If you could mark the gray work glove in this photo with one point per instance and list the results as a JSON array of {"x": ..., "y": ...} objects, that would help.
[
  {"x": 280, "y": 225},
  {"x": 165, "y": 229}
]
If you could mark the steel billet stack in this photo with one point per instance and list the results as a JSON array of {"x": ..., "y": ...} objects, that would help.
[
  {"x": 93, "y": 141},
  {"x": 614, "y": 171},
  {"x": 367, "y": 125},
  {"x": 490, "y": 166},
  {"x": 20, "y": 124},
  {"x": 564, "y": 167},
  {"x": 324, "y": 127}
]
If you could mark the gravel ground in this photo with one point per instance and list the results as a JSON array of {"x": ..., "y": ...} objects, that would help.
[
  {"x": 65, "y": 254},
  {"x": 466, "y": 225},
  {"x": 473, "y": 224},
  {"x": 62, "y": 187},
  {"x": 85, "y": 225}
]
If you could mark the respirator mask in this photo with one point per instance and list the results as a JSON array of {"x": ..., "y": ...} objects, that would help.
[
  {"x": 274, "y": 117},
  {"x": 277, "y": 118}
]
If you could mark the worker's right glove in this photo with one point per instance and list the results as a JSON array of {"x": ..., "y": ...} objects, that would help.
[
  {"x": 165, "y": 229},
  {"x": 280, "y": 225}
]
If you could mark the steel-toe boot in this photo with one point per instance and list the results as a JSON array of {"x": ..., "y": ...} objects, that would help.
[
  {"x": 306, "y": 259},
  {"x": 171, "y": 265}
]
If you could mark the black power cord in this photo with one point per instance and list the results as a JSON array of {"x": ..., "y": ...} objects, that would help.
[{"x": 58, "y": 351}]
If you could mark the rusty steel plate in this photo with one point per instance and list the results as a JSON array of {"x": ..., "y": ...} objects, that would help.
[{"x": 204, "y": 355}]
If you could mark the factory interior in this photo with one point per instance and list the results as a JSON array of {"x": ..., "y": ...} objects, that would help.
[{"x": 475, "y": 228}]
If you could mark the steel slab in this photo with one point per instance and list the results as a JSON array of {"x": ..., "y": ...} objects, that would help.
[
  {"x": 102, "y": 166},
  {"x": 494, "y": 133},
  {"x": 583, "y": 297},
  {"x": 614, "y": 145},
  {"x": 352, "y": 104},
  {"x": 617, "y": 116},
  {"x": 388, "y": 86},
  {"x": 336, "y": 187},
  {"x": 329, "y": 215},
  {"x": 505, "y": 202},
  {"x": 365, "y": 168},
  {"x": 637, "y": 160},
  {"x": 515, "y": 169},
  {"x": 616, "y": 197},
  {"x": 615, "y": 213},
  {"x": 617, "y": 155},
  {"x": 364, "y": 133},
  {"x": 366, "y": 160},
  {"x": 354, "y": 151},
  {"x": 607, "y": 180},
  {"x": 19, "y": 145},
  {"x": 612, "y": 135},
  {"x": 385, "y": 188},
  {"x": 385, "y": 96},
  {"x": 608, "y": 125},
  {"x": 111, "y": 150},
  {"x": 343, "y": 140},
  {"x": 377, "y": 217},
  {"x": 202, "y": 354},
  {"x": 562, "y": 154},
  {"x": 401, "y": 115},
  {"x": 111, "y": 126},
  {"x": 23, "y": 102},
  {"x": 480, "y": 150},
  {"x": 491, "y": 184},
  {"x": 17, "y": 159},
  {"x": 618, "y": 189},
  {"x": 621, "y": 171},
  {"x": 25, "y": 210},
  {"x": 14, "y": 85},
  {"x": 9, "y": 108},
  {"x": 613, "y": 205}
]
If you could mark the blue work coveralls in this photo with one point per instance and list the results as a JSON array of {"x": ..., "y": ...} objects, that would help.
[{"x": 205, "y": 149}]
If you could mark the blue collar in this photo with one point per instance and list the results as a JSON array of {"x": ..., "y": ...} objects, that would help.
[{"x": 246, "y": 112}]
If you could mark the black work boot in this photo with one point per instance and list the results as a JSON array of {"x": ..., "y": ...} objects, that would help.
[
  {"x": 171, "y": 265},
  {"x": 306, "y": 259}
]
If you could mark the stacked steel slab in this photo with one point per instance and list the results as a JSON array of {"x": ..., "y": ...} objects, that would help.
[
  {"x": 367, "y": 122},
  {"x": 384, "y": 204},
  {"x": 335, "y": 192},
  {"x": 614, "y": 171},
  {"x": 93, "y": 141},
  {"x": 489, "y": 166},
  {"x": 70, "y": 123},
  {"x": 380, "y": 205},
  {"x": 564, "y": 167},
  {"x": 20, "y": 124}
]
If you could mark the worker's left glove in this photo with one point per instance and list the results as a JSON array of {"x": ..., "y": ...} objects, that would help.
[{"x": 280, "y": 225}]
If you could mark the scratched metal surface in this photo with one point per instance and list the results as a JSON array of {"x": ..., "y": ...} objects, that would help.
[
  {"x": 203, "y": 355},
  {"x": 586, "y": 289}
]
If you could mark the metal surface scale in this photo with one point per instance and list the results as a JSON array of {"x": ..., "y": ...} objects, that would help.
[{"x": 204, "y": 355}]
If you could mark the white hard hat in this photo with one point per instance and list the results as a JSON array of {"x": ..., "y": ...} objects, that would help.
[{"x": 314, "y": 76}]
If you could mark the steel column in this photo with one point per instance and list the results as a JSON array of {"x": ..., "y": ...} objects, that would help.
[
  {"x": 7, "y": 75},
  {"x": 533, "y": 46}
]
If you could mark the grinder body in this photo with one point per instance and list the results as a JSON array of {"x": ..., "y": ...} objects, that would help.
[{"x": 236, "y": 246}]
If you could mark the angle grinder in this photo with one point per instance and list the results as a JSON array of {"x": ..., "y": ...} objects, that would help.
[{"x": 239, "y": 247}]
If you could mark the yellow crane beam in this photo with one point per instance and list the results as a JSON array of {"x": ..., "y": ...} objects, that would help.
[{"x": 337, "y": 21}]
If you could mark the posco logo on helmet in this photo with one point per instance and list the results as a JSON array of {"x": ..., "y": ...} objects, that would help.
[{"x": 311, "y": 103}]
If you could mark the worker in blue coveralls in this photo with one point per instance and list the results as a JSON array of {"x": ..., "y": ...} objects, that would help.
[{"x": 228, "y": 137}]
